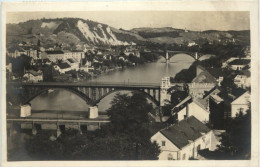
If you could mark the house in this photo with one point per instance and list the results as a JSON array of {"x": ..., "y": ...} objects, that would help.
[
  {"x": 226, "y": 104},
  {"x": 74, "y": 54},
  {"x": 239, "y": 64},
  {"x": 242, "y": 79},
  {"x": 202, "y": 83},
  {"x": 62, "y": 67},
  {"x": 74, "y": 64},
  {"x": 33, "y": 76},
  {"x": 217, "y": 73},
  {"x": 199, "y": 108},
  {"x": 54, "y": 55},
  {"x": 240, "y": 104},
  {"x": 183, "y": 140}
]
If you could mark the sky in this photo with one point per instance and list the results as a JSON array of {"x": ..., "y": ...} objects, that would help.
[{"x": 195, "y": 20}]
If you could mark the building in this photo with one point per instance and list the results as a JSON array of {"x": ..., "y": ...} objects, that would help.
[
  {"x": 183, "y": 140},
  {"x": 54, "y": 55},
  {"x": 240, "y": 104},
  {"x": 74, "y": 64},
  {"x": 33, "y": 76},
  {"x": 202, "y": 83},
  {"x": 16, "y": 52},
  {"x": 225, "y": 104},
  {"x": 242, "y": 79},
  {"x": 62, "y": 67},
  {"x": 239, "y": 64},
  {"x": 199, "y": 108}
]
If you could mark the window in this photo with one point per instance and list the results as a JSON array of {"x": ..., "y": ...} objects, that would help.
[
  {"x": 183, "y": 156},
  {"x": 163, "y": 143}
]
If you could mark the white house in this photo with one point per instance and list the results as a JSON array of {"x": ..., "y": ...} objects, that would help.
[
  {"x": 62, "y": 67},
  {"x": 239, "y": 64},
  {"x": 197, "y": 107},
  {"x": 183, "y": 140},
  {"x": 243, "y": 79},
  {"x": 33, "y": 76},
  {"x": 54, "y": 55},
  {"x": 74, "y": 54},
  {"x": 240, "y": 104}
]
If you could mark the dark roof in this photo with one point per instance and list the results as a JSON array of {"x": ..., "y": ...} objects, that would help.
[
  {"x": 216, "y": 72},
  {"x": 180, "y": 134},
  {"x": 54, "y": 52},
  {"x": 71, "y": 61},
  {"x": 204, "y": 77},
  {"x": 64, "y": 65},
  {"x": 240, "y": 62},
  {"x": 228, "y": 97}
]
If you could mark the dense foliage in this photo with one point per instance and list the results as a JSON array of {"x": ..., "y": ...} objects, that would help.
[
  {"x": 127, "y": 137},
  {"x": 236, "y": 141}
]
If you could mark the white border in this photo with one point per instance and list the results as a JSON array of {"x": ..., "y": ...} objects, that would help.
[{"x": 251, "y": 6}]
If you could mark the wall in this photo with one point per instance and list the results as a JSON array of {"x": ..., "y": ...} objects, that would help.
[
  {"x": 204, "y": 142},
  {"x": 196, "y": 111},
  {"x": 168, "y": 148},
  {"x": 235, "y": 109},
  {"x": 199, "y": 89}
]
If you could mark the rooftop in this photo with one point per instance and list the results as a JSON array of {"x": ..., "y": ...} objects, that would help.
[
  {"x": 64, "y": 65},
  {"x": 189, "y": 129},
  {"x": 55, "y": 52},
  {"x": 204, "y": 77},
  {"x": 240, "y": 62}
]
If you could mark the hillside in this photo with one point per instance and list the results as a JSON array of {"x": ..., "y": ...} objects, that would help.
[
  {"x": 73, "y": 31},
  {"x": 69, "y": 31}
]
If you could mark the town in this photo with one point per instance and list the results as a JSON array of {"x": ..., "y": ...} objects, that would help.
[{"x": 200, "y": 113}]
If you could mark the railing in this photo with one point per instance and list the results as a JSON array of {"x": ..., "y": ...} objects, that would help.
[{"x": 127, "y": 84}]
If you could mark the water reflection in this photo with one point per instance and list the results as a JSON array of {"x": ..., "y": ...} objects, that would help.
[{"x": 147, "y": 73}]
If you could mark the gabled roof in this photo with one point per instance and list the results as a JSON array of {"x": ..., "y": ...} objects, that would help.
[
  {"x": 203, "y": 103},
  {"x": 216, "y": 72},
  {"x": 242, "y": 99},
  {"x": 204, "y": 77},
  {"x": 180, "y": 134}
]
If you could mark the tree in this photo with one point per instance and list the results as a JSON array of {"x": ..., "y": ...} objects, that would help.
[
  {"x": 129, "y": 116},
  {"x": 236, "y": 141}
]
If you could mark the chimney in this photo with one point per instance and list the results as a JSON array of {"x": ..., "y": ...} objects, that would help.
[{"x": 187, "y": 110}]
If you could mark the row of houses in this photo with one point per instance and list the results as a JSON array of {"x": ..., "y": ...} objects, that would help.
[{"x": 205, "y": 103}]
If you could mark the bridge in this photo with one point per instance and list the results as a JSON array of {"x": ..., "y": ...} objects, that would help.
[
  {"x": 169, "y": 54},
  {"x": 91, "y": 92}
]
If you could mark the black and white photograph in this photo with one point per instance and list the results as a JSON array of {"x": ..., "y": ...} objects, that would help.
[{"x": 128, "y": 85}]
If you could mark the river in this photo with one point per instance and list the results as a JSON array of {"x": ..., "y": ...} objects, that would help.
[{"x": 147, "y": 73}]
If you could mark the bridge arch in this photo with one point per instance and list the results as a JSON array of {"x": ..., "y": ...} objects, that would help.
[
  {"x": 72, "y": 90},
  {"x": 170, "y": 54},
  {"x": 147, "y": 95}
]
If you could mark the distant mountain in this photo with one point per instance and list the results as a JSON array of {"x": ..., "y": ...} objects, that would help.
[
  {"x": 73, "y": 31},
  {"x": 70, "y": 30}
]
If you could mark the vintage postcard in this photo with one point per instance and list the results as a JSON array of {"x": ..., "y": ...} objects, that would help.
[{"x": 130, "y": 83}]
